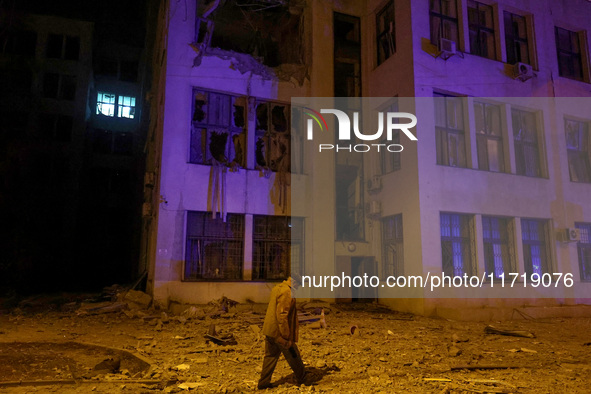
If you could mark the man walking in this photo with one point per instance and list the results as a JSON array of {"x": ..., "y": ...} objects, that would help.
[{"x": 281, "y": 333}]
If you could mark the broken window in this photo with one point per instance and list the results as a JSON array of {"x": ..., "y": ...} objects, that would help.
[
  {"x": 584, "y": 251},
  {"x": 449, "y": 126},
  {"x": 273, "y": 136},
  {"x": 386, "y": 37},
  {"x": 457, "y": 239},
  {"x": 577, "y": 145},
  {"x": 516, "y": 40},
  {"x": 443, "y": 17},
  {"x": 568, "y": 45},
  {"x": 270, "y": 31},
  {"x": 534, "y": 234},
  {"x": 218, "y": 129},
  {"x": 392, "y": 246},
  {"x": 107, "y": 102},
  {"x": 215, "y": 249},
  {"x": 126, "y": 107},
  {"x": 489, "y": 138},
  {"x": 277, "y": 245},
  {"x": 482, "y": 30},
  {"x": 58, "y": 86},
  {"x": 62, "y": 47},
  {"x": 525, "y": 137},
  {"x": 498, "y": 248}
]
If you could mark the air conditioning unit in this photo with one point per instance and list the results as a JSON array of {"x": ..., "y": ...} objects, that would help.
[
  {"x": 447, "y": 48},
  {"x": 572, "y": 234},
  {"x": 374, "y": 184},
  {"x": 522, "y": 71},
  {"x": 375, "y": 209}
]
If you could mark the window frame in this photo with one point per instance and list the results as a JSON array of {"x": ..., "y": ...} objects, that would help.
[
  {"x": 118, "y": 104},
  {"x": 191, "y": 270},
  {"x": 393, "y": 263},
  {"x": 443, "y": 156},
  {"x": 271, "y": 136},
  {"x": 288, "y": 239},
  {"x": 444, "y": 18},
  {"x": 571, "y": 54},
  {"x": 385, "y": 39},
  {"x": 488, "y": 135},
  {"x": 543, "y": 230},
  {"x": 584, "y": 251},
  {"x": 478, "y": 28},
  {"x": 521, "y": 165},
  {"x": 230, "y": 155},
  {"x": 582, "y": 155},
  {"x": 465, "y": 240},
  {"x": 514, "y": 40},
  {"x": 505, "y": 241}
]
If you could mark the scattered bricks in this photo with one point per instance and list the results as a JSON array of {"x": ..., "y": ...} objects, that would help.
[{"x": 137, "y": 299}]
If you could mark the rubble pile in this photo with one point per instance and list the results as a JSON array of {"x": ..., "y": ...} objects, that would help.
[{"x": 348, "y": 348}]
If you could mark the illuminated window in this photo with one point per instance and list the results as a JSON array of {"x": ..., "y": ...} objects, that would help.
[
  {"x": 126, "y": 107},
  {"x": 107, "y": 102},
  {"x": 456, "y": 244}
]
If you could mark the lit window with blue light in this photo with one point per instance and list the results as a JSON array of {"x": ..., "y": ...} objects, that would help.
[{"x": 106, "y": 103}]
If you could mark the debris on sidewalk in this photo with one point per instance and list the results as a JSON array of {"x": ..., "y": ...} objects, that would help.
[{"x": 513, "y": 333}]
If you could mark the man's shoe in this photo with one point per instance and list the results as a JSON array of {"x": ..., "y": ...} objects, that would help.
[{"x": 264, "y": 386}]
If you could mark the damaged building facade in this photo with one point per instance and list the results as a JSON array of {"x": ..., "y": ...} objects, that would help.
[{"x": 221, "y": 166}]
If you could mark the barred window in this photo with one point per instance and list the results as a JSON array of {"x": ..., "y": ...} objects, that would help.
[
  {"x": 386, "y": 37},
  {"x": 449, "y": 127},
  {"x": 215, "y": 249},
  {"x": 498, "y": 247},
  {"x": 516, "y": 39},
  {"x": 482, "y": 30},
  {"x": 443, "y": 18},
  {"x": 273, "y": 136},
  {"x": 584, "y": 251},
  {"x": 277, "y": 246},
  {"x": 577, "y": 145},
  {"x": 456, "y": 244},
  {"x": 527, "y": 148},
  {"x": 218, "y": 133},
  {"x": 489, "y": 138},
  {"x": 534, "y": 234},
  {"x": 392, "y": 243},
  {"x": 568, "y": 46}
]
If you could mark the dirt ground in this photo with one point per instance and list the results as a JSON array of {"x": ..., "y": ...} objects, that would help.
[{"x": 48, "y": 349}]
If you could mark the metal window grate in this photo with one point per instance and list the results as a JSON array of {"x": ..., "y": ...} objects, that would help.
[
  {"x": 535, "y": 246},
  {"x": 584, "y": 251},
  {"x": 457, "y": 239},
  {"x": 277, "y": 244},
  {"x": 215, "y": 249},
  {"x": 497, "y": 240},
  {"x": 393, "y": 246}
]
